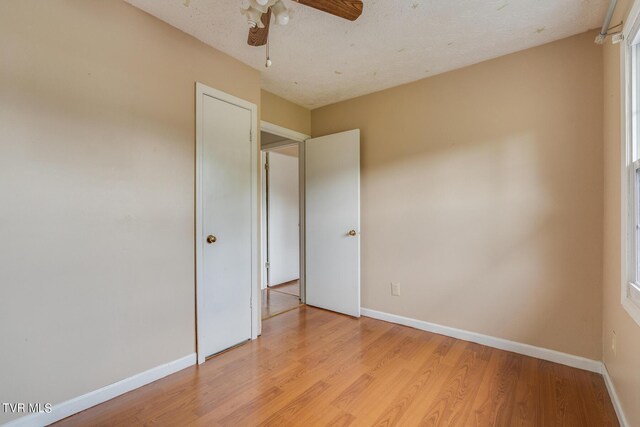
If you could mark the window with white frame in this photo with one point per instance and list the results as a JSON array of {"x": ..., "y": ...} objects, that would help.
[{"x": 631, "y": 164}]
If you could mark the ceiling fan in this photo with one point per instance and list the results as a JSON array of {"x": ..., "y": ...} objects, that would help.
[{"x": 258, "y": 13}]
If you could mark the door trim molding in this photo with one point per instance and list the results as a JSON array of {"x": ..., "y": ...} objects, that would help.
[
  {"x": 299, "y": 139},
  {"x": 283, "y": 132},
  {"x": 201, "y": 91}
]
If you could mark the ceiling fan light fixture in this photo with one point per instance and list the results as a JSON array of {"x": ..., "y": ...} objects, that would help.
[
  {"x": 253, "y": 17},
  {"x": 281, "y": 12}
]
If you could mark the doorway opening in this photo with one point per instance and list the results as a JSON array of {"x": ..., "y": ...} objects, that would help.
[{"x": 281, "y": 224}]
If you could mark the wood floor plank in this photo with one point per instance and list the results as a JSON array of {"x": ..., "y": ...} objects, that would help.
[
  {"x": 407, "y": 397},
  {"x": 495, "y": 401},
  {"x": 329, "y": 416},
  {"x": 527, "y": 404},
  {"x": 594, "y": 399},
  {"x": 312, "y": 367},
  {"x": 285, "y": 415},
  {"x": 453, "y": 404},
  {"x": 353, "y": 391},
  {"x": 369, "y": 404}
]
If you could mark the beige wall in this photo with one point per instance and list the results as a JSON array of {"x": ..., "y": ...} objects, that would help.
[
  {"x": 482, "y": 196},
  {"x": 623, "y": 366},
  {"x": 97, "y": 184},
  {"x": 279, "y": 111}
]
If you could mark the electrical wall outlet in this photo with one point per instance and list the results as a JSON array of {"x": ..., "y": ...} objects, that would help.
[
  {"x": 395, "y": 289},
  {"x": 614, "y": 344}
]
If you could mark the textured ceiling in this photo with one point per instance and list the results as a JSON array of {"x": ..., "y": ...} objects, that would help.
[{"x": 319, "y": 59}]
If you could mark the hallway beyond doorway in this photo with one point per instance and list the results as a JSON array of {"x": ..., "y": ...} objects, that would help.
[{"x": 280, "y": 298}]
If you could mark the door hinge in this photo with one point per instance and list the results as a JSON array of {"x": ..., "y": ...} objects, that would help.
[
  {"x": 267, "y": 265},
  {"x": 266, "y": 166}
]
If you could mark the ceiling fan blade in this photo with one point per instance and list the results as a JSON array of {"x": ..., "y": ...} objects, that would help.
[
  {"x": 347, "y": 9},
  {"x": 258, "y": 36}
]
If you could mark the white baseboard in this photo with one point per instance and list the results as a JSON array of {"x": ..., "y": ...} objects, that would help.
[
  {"x": 617, "y": 405},
  {"x": 80, "y": 403},
  {"x": 502, "y": 344}
]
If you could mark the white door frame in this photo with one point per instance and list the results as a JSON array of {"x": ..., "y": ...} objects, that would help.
[
  {"x": 300, "y": 138},
  {"x": 201, "y": 91},
  {"x": 264, "y": 230}
]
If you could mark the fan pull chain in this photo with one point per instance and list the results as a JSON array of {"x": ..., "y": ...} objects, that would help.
[{"x": 267, "y": 63}]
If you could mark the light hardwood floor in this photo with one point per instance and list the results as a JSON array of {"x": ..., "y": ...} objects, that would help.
[{"x": 314, "y": 368}]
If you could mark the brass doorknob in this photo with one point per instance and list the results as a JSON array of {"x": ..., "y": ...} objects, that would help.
[
  {"x": 211, "y": 239},
  {"x": 352, "y": 233}
]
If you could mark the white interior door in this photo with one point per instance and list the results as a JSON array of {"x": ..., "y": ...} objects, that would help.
[
  {"x": 226, "y": 235},
  {"x": 332, "y": 212}
]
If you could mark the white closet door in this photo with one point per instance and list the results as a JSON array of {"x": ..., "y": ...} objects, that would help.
[{"x": 226, "y": 234}]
